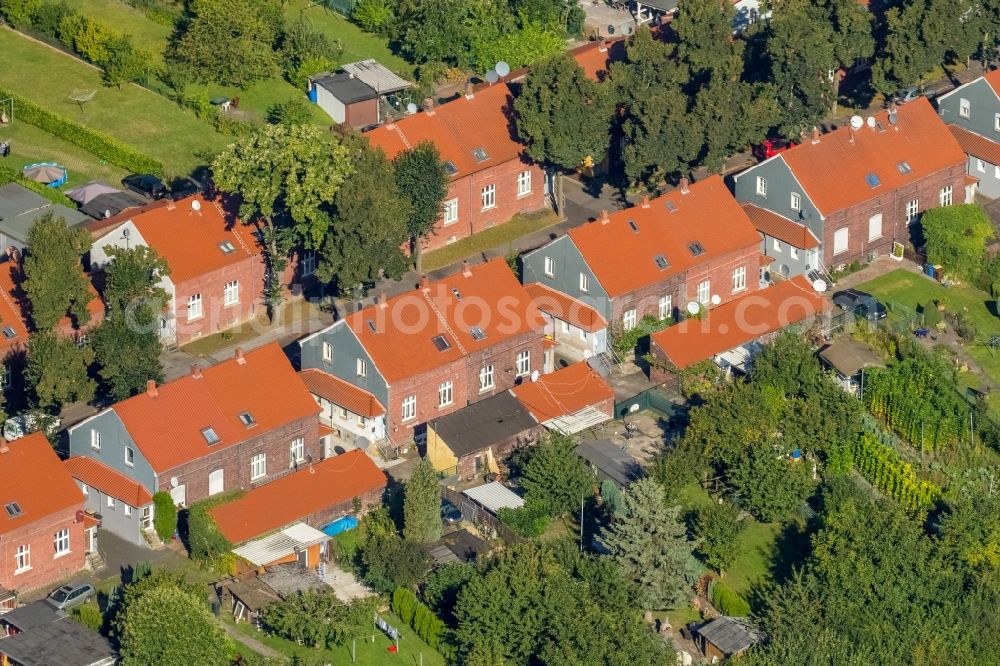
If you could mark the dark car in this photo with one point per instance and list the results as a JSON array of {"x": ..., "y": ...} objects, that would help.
[
  {"x": 68, "y": 596},
  {"x": 185, "y": 187},
  {"x": 861, "y": 303},
  {"x": 909, "y": 94},
  {"x": 450, "y": 513},
  {"x": 145, "y": 184}
]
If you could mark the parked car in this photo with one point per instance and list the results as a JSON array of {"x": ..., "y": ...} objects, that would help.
[
  {"x": 71, "y": 595},
  {"x": 450, "y": 513},
  {"x": 859, "y": 302},
  {"x": 145, "y": 184},
  {"x": 18, "y": 426},
  {"x": 768, "y": 148},
  {"x": 909, "y": 94},
  {"x": 185, "y": 187}
]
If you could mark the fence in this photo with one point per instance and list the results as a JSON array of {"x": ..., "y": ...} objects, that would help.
[
  {"x": 489, "y": 524},
  {"x": 648, "y": 399}
]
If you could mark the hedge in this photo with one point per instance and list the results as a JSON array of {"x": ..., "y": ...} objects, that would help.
[
  {"x": 101, "y": 145},
  {"x": 164, "y": 516},
  {"x": 728, "y": 601},
  {"x": 429, "y": 627},
  {"x": 8, "y": 175}
]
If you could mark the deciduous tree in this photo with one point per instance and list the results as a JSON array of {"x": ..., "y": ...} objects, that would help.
[
  {"x": 422, "y": 504},
  {"x": 421, "y": 178},
  {"x": 57, "y": 370},
  {"x": 956, "y": 238},
  {"x": 54, "y": 280},
  {"x": 554, "y": 475},
  {"x": 718, "y": 527}
]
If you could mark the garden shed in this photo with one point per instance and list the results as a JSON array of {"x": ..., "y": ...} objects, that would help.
[
  {"x": 610, "y": 461},
  {"x": 724, "y": 637},
  {"x": 495, "y": 496}
]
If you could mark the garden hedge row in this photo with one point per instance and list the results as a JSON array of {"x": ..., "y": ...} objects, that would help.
[
  {"x": 101, "y": 145},
  {"x": 8, "y": 175},
  {"x": 727, "y": 600}
]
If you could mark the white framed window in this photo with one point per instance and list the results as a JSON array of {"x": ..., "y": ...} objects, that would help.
[
  {"x": 584, "y": 282},
  {"x": 840, "y": 238},
  {"x": 523, "y": 362},
  {"x": 964, "y": 108},
  {"x": 740, "y": 278},
  {"x": 95, "y": 439},
  {"x": 523, "y": 183},
  {"x": 875, "y": 226},
  {"x": 258, "y": 466},
  {"x": 308, "y": 263},
  {"x": 996, "y": 122},
  {"x": 297, "y": 451},
  {"x": 111, "y": 502},
  {"x": 629, "y": 320},
  {"x": 550, "y": 266},
  {"x": 327, "y": 351},
  {"x": 665, "y": 306},
  {"x": 980, "y": 166},
  {"x": 343, "y": 413},
  {"x": 362, "y": 422},
  {"x": 216, "y": 481},
  {"x": 486, "y": 378},
  {"x": 194, "y": 307},
  {"x": 85, "y": 489},
  {"x": 61, "y": 542},
  {"x": 996, "y": 172},
  {"x": 446, "y": 393},
  {"x": 22, "y": 558},
  {"x": 912, "y": 210},
  {"x": 130, "y": 456},
  {"x": 489, "y": 196},
  {"x": 409, "y": 407},
  {"x": 761, "y": 186},
  {"x": 449, "y": 211},
  {"x": 777, "y": 245},
  {"x": 793, "y": 251},
  {"x": 563, "y": 326},
  {"x": 944, "y": 196},
  {"x": 128, "y": 510},
  {"x": 362, "y": 368},
  {"x": 231, "y": 294},
  {"x": 796, "y": 202},
  {"x": 704, "y": 291},
  {"x": 584, "y": 335}
]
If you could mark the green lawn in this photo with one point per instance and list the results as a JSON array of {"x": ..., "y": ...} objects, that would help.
[
  {"x": 30, "y": 144},
  {"x": 142, "y": 118},
  {"x": 261, "y": 96},
  {"x": 505, "y": 234},
  {"x": 146, "y": 34}
]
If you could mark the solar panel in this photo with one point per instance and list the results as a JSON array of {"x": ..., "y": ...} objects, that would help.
[{"x": 872, "y": 180}]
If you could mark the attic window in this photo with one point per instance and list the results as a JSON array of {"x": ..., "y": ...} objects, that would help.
[
  {"x": 477, "y": 333},
  {"x": 441, "y": 342},
  {"x": 247, "y": 419},
  {"x": 9, "y": 332},
  {"x": 904, "y": 167},
  {"x": 671, "y": 206},
  {"x": 696, "y": 249},
  {"x": 633, "y": 226},
  {"x": 661, "y": 262},
  {"x": 879, "y": 126},
  {"x": 210, "y": 435},
  {"x": 450, "y": 168},
  {"x": 371, "y": 325},
  {"x": 872, "y": 180},
  {"x": 227, "y": 247},
  {"x": 480, "y": 154},
  {"x": 456, "y": 293},
  {"x": 13, "y": 509}
]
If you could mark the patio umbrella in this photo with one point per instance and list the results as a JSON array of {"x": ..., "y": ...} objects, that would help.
[
  {"x": 44, "y": 173},
  {"x": 86, "y": 193}
]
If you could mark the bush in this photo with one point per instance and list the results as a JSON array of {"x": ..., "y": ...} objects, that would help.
[
  {"x": 932, "y": 316},
  {"x": 90, "y": 38},
  {"x": 727, "y": 600},
  {"x": 293, "y": 112},
  {"x": 8, "y": 175},
  {"x": 50, "y": 16},
  {"x": 89, "y": 615},
  {"x": 19, "y": 13},
  {"x": 205, "y": 542},
  {"x": 404, "y": 604},
  {"x": 101, "y": 145},
  {"x": 372, "y": 15},
  {"x": 422, "y": 619},
  {"x": 164, "y": 516},
  {"x": 963, "y": 326},
  {"x": 528, "y": 521}
]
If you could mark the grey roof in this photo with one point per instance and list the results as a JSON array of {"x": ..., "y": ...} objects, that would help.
[
  {"x": 61, "y": 643},
  {"x": 848, "y": 356},
  {"x": 112, "y": 203},
  {"x": 465, "y": 545},
  {"x": 728, "y": 634},
  {"x": 254, "y": 593},
  {"x": 376, "y": 76},
  {"x": 20, "y": 207},
  {"x": 611, "y": 462},
  {"x": 346, "y": 88},
  {"x": 494, "y": 496},
  {"x": 30, "y": 616},
  {"x": 483, "y": 424}
]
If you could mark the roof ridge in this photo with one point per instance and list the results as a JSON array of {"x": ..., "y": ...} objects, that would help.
[{"x": 444, "y": 322}]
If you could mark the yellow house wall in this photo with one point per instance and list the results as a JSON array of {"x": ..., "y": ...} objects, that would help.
[{"x": 438, "y": 452}]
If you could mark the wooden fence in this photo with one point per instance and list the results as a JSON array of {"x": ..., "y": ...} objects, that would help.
[{"x": 488, "y": 524}]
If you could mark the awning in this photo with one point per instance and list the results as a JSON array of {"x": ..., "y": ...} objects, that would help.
[
  {"x": 280, "y": 544},
  {"x": 570, "y": 424},
  {"x": 495, "y": 496}
]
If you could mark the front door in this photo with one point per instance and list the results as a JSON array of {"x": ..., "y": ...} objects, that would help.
[
  {"x": 92, "y": 539},
  {"x": 146, "y": 520},
  {"x": 216, "y": 482}
]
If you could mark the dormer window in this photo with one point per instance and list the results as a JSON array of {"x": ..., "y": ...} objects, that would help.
[
  {"x": 246, "y": 418},
  {"x": 13, "y": 509},
  {"x": 480, "y": 154},
  {"x": 477, "y": 333},
  {"x": 441, "y": 343},
  {"x": 696, "y": 249},
  {"x": 210, "y": 435}
]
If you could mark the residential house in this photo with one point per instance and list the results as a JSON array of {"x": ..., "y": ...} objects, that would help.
[
  {"x": 20, "y": 208},
  {"x": 577, "y": 329},
  {"x": 477, "y": 439},
  {"x": 124, "y": 505},
  {"x": 237, "y": 424},
  {"x": 972, "y": 112},
  {"x": 431, "y": 351},
  {"x": 569, "y": 400},
  {"x": 43, "y": 528},
  {"x": 857, "y": 189},
  {"x": 491, "y": 178},
  {"x": 354, "y": 415},
  {"x": 732, "y": 333},
  {"x": 692, "y": 244}
]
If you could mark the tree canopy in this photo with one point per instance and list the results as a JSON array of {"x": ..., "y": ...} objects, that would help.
[
  {"x": 421, "y": 178},
  {"x": 554, "y": 475},
  {"x": 57, "y": 370},
  {"x": 55, "y": 284},
  {"x": 956, "y": 238},
  {"x": 422, "y": 504}
]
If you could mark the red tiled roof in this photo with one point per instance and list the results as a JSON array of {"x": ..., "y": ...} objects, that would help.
[
  {"x": 458, "y": 128},
  {"x": 402, "y": 342},
  {"x": 32, "y": 475},
  {"x": 779, "y": 227},
  {"x": 624, "y": 259},
  {"x": 167, "y": 427},
  {"x": 190, "y": 240},
  {"x": 595, "y": 58},
  {"x": 563, "y": 392},
  {"x": 833, "y": 170},
  {"x": 740, "y": 321},
  {"x": 993, "y": 78},
  {"x": 976, "y": 145},
  {"x": 339, "y": 392},
  {"x": 107, "y": 480},
  {"x": 565, "y": 308},
  {"x": 298, "y": 495}
]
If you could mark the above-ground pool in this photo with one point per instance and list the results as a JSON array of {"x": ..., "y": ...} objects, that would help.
[{"x": 340, "y": 525}]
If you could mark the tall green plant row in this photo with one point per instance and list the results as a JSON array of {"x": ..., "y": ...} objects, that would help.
[{"x": 885, "y": 470}]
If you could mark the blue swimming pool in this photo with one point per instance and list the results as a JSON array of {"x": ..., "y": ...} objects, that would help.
[{"x": 340, "y": 525}]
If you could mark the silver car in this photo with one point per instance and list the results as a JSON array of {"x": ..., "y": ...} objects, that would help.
[{"x": 68, "y": 596}]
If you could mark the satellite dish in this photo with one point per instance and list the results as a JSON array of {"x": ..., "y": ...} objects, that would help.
[
  {"x": 857, "y": 122},
  {"x": 174, "y": 482},
  {"x": 716, "y": 299},
  {"x": 534, "y": 375},
  {"x": 633, "y": 408},
  {"x": 819, "y": 286},
  {"x": 892, "y": 117},
  {"x": 693, "y": 307},
  {"x": 587, "y": 353},
  {"x": 411, "y": 108},
  {"x": 362, "y": 442},
  {"x": 107, "y": 213},
  {"x": 196, "y": 205},
  {"x": 125, "y": 232},
  {"x": 870, "y": 122},
  {"x": 502, "y": 68},
  {"x": 492, "y": 77}
]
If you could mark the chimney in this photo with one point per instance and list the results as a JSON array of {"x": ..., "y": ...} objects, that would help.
[
  {"x": 683, "y": 184},
  {"x": 428, "y": 106},
  {"x": 604, "y": 217},
  {"x": 151, "y": 390},
  {"x": 465, "y": 269},
  {"x": 195, "y": 371},
  {"x": 3, "y": 446},
  {"x": 170, "y": 204},
  {"x": 892, "y": 107},
  {"x": 645, "y": 201},
  {"x": 470, "y": 90},
  {"x": 603, "y": 46},
  {"x": 815, "y": 135},
  {"x": 239, "y": 356},
  {"x": 380, "y": 299},
  {"x": 424, "y": 282}
]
